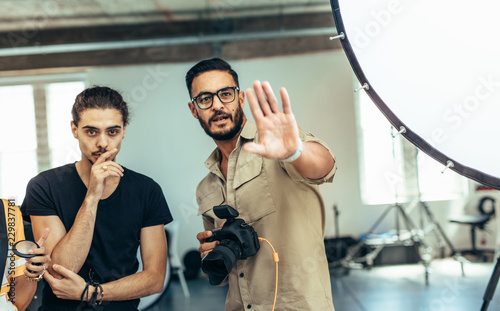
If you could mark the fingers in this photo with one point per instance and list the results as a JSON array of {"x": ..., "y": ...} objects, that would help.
[
  {"x": 37, "y": 264},
  {"x": 107, "y": 156},
  {"x": 40, "y": 253},
  {"x": 105, "y": 166},
  {"x": 63, "y": 271},
  {"x": 263, "y": 102},
  {"x": 108, "y": 168},
  {"x": 52, "y": 278},
  {"x": 252, "y": 147},
  {"x": 48, "y": 277},
  {"x": 31, "y": 274},
  {"x": 112, "y": 168},
  {"x": 206, "y": 248},
  {"x": 261, "y": 97},
  {"x": 285, "y": 99},
  {"x": 202, "y": 236},
  {"x": 271, "y": 99},
  {"x": 33, "y": 270},
  {"x": 44, "y": 237},
  {"x": 254, "y": 105}
]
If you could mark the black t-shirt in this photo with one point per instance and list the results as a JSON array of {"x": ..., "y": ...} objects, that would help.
[{"x": 136, "y": 203}]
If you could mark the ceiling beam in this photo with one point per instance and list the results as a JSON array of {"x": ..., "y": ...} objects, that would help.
[
  {"x": 170, "y": 42},
  {"x": 172, "y": 54}
]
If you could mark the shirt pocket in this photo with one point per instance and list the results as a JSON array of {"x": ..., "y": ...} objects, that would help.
[
  {"x": 207, "y": 201},
  {"x": 253, "y": 196}
]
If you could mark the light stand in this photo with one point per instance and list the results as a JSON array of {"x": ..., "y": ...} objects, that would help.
[
  {"x": 434, "y": 225},
  {"x": 416, "y": 240},
  {"x": 350, "y": 261},
  {"x": 492, "y": 285}
]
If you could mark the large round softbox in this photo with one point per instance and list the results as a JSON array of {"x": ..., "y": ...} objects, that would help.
[{"x": 433, "y": 69}]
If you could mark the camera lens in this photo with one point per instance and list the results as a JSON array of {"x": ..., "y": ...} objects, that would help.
[
  {"x": 221, "y": 260},
  {"x": 216, "y": 265}
]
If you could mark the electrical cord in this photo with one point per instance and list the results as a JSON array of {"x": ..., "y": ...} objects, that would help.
[{"x": 275, "y": 259}]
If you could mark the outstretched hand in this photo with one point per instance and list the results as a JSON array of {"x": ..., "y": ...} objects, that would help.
[{"x": 278, "y": 131}]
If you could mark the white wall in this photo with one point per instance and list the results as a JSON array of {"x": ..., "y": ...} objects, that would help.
[{"x": 166, "y": 143}]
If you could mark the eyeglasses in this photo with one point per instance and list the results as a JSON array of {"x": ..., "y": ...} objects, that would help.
[{"x": 206, "y": 100}]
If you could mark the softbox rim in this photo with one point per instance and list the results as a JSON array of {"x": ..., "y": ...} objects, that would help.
[{"x": 419, "y": 142}]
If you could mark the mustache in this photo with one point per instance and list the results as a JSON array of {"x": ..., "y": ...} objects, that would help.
[
  {"x": 98, "y": 152},
  {"x": 219, "y": 113}
]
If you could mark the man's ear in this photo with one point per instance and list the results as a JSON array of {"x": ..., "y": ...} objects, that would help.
[
  {"x": 241, "y": 98},
  {"x": 74, "y": 129},
  {"x": 124, "y": 130},
  {"x": 192, "y": 108}
]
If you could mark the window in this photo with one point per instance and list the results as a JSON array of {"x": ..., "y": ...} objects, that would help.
[
  {"x": 392, "y": 169},
  {"x": 35, "y": 131},
  {"x": 60, "y": 98},
  {"x": 18, "y": 140}
]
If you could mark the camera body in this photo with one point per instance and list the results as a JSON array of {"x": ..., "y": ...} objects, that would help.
[
  {"x": 239, "y": 231},
  {"x": 238, "y": 241}
]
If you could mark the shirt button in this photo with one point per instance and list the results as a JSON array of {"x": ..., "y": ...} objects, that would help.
[
  {"x": 242, "y": 275},
  {"x": 249, "y": 307}
]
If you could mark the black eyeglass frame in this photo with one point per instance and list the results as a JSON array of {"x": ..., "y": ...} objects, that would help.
[{"x": 193, "y": 100}]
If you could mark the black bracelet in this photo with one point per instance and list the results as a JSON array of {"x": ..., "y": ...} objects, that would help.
[
  {"x": 84, "y": 291},
  {"x": 93, "y": 298}
]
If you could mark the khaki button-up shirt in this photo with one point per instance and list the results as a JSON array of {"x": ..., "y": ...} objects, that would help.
[{"x": 283, "y": 207}]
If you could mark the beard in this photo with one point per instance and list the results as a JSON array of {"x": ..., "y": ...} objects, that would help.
[{"x": 229, "y": 133}]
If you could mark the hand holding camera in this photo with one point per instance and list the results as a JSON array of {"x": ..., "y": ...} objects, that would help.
[
  {"x": 206, "y": 247},
  {"x": 222, "y": 247}
]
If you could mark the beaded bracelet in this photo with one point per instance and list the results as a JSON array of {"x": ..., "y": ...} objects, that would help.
[
  {"x": 102, "y": 295},
  {"x": 97, "y": 291}
]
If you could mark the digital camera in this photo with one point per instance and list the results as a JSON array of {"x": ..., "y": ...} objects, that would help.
[{"x": 238, "y": 241}]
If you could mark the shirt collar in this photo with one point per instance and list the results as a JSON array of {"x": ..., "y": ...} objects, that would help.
[{"x": 248, "y": 133}]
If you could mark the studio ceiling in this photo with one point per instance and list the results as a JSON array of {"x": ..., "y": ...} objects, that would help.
[
  {"x": 38, "y": 34},
  {"x": 76, "y": 13}
]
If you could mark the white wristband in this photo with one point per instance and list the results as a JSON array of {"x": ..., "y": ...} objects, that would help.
[{"x": 296, "y": 154}]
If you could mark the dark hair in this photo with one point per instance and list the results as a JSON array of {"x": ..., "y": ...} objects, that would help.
[
  {"x": 209, "y": 65},
  {"x": 100, "y": 97}
]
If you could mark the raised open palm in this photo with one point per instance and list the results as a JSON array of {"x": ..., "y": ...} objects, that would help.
[{"x": 277, "y": 130}]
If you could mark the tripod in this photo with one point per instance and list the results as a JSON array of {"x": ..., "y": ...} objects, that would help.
[
  {"x": 412, "y": 236},
  {"x": 415, "y": 238},
  {"x": 433, "y": 224}
]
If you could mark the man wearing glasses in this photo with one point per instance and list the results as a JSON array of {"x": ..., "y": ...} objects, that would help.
[{"x": 269, "y": 171}]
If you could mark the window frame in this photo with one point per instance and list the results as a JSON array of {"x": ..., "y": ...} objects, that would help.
[
  {"x": 40, "y": 83},
  {"x": 407, "y": 172}
]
